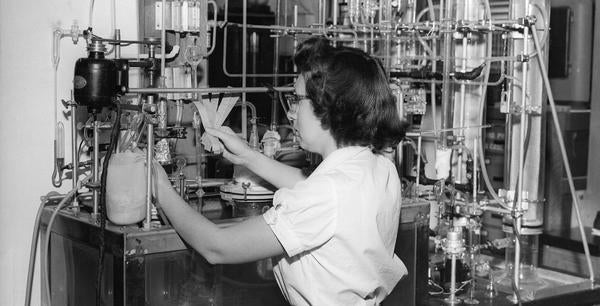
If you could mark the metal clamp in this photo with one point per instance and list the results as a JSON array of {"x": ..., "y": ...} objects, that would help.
[{"x": 523, "y": 58}]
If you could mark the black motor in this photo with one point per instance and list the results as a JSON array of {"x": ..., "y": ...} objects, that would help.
[{"x": 98, "y": 80}]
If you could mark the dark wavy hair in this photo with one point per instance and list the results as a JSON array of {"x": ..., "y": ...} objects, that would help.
[{"x": 350, "y": 94}]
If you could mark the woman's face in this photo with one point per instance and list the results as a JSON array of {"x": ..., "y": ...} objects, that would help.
[{"x": 307, "y": 125}]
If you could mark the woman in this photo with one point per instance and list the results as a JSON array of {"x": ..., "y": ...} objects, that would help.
[{"x": 336, "y": 228}]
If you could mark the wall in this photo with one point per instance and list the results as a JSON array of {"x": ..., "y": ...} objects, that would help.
[{"x": 27, "y": 115}]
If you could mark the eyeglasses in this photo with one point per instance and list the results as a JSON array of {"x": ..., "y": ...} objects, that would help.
[{"x": 293, "y": 100}]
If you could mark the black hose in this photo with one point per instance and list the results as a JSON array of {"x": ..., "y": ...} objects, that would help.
[
  {"x": 469, "y": 75},
  {"x": 33, "y": 250},
  {"x": 114, "y": 137},
  {"x": 427, "y": 74}
]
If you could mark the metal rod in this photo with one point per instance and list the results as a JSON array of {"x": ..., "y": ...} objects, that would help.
[
  {"x": 163, "y": 43},
  {"x": 200, "y": 160},
  {"x": 244, "y": 64},
  {"x": 564, "y": 155},
  {"x": 419, "y": 140},
  {"x": 320, "y": 13},
  {"x": 125, "y": 42},
  {"x": 74, "y": 152},
  {"x": 274, "y": 100},
  {"x": 96, "y": 166},
  {"x": 335, "y": 12},
  {"x": 452, "y": 298},
  {"x": 496, "y": 210},
  {"x": 372, "y": 35},
  {"x": 149, "y": 163},
  {"x": 461, "y": 114},
  {"x": 295, "y": 17},
  {"x": 295, "y": 29},
  {"x": 415, "y": 134},
  {"x": 433, "y": 91},
  {"x": 517, "y": 215},
  {"x": 118, "y": 46},
  {"x": 446, "y": 94},
  {"x": 233, "y": 90},
  {"x": 284, "y": 30},
  {"x": 475, "y": 141}
]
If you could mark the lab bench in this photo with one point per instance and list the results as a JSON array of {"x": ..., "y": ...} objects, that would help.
[
  {"x": 556, "y": 288},
  {"x": 155, "y": 267},
  {"x": 145, "y": 267}
]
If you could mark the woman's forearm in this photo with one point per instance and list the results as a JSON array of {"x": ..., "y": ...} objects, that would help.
[
  {"x": 246, "y": 241},
  {"x": 277, "y": 173},
  {"x": 194, "y": 228}
]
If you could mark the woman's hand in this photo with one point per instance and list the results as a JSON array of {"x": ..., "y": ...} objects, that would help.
[
  {"x": 161, "y": 183},
  {"x": 236, "y": 150}
]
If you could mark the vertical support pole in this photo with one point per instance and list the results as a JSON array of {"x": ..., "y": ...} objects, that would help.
[
  {"x": 244, "y": 68},
  {"x": 517, "y": 218},
  {"x": 149, "y": 160},
  {"x": 74, "y": 152},
  {"x": 274, "y": 101},
  {"x": 419, "y": 148},
  {"x": 475, "y": 141},
  {"x": 96, "y": 167}
]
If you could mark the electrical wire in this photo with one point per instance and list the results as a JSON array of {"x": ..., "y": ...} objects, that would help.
[
  {"x": 114, "y": 137},
  {"x": 33, "y": 251},
  {"x": 46, "y": 266}
]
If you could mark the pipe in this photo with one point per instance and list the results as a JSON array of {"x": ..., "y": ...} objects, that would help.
[
  {"x": 496, "y": 210},
  {"x": 254, "y": 51},
  {"x": 113, "y": 18},
  {"x": 214, "y": 27},
  {"x": 320, "y": 13},
  {"x": 419, "y": 140},
  {"x": 431, "y": 10},
  {"x": 446, "y": 100},
  {"x": 425, "y": 132},
  {"x": 461, "y": 114},
  {"x": 563, "y": 152},
  {"x": 517, "y": 208},
  {"x": 96, "y": 167},
  {"x": 91, "y": 14},
  {"x": 163, "y": 43},
  {"x": 475, "y": 170},
  {"x": 335, "y": 12},
  {"x": 433, "y": 87},
  {"x": 324, "y": 14},
  {"x": 169, "y": 55},
  {"x": 484, "y": 173},
  {"x": 74, "y": 153},
  {"x": 295, "y": 24},
  {"x": 452, "y": 298},
  {"x": 275, "y": 101},
  {"x": 197, "y": 123},
  {"x": 149, "y": 162},
  {"x": 244, "y": 63},
  {"x": 117, "y": 47},
  {"x": 232, "y": 90},
  {"x": 251, "y": 106},
  {"x": 283, "y": 29}
]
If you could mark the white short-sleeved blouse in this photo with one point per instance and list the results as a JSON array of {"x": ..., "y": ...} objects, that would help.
[{"x": 338, "y": 228}]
